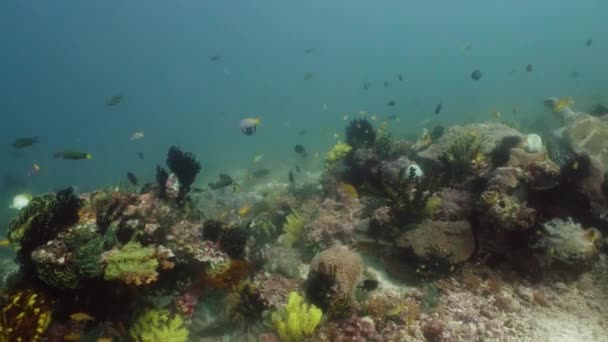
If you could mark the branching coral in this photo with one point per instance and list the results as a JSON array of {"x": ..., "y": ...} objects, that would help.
[
  {"x": 133, "y": 264},
  {"x": 25, "y": 316},
  {"x": 360, "y": 133},
  {"x": 293, "y": 229},
  {"x": 185, "y": 167},
  {"x": 159, "y": 325},
  {"x": 43, "y": 219},
  {"x": 297, "y": 320}
]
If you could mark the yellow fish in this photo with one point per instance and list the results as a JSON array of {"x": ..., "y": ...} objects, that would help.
[
  {"x": 244, "y": 210},
  {"x": 4, "y": 242},
  {"x": 81, "y": 316},
  {"x": 137, "y": 136},
  {"x": 562, "y": 103},
  {"x": 72, "y": 337}
]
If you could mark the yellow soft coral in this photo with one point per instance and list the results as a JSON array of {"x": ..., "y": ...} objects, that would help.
[
  {"x": 337, "y": 152},
  {"x": 292, "y": 228},
  {"x": 159, "y": 325},
  {"x": 297, "y": 320}
]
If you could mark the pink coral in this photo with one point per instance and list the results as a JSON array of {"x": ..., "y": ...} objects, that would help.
[{"x": 335, "y": 221}]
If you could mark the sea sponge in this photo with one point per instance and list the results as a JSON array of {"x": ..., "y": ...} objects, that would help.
[
  {"x": 25, "y": 316},
  {"x": 337, "y": 152},
  {"x": 133, "y": 264},
  {"x": 159, "y": 325},
  {"x": 343, "y": 265},
  {"x": 297, "y": 320},
  {"x": 293, "y": 229}
]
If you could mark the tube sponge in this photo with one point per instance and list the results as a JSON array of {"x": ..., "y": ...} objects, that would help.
[
  {"x": 297, "y": 320},
  {"x": 158, "y": 325}
]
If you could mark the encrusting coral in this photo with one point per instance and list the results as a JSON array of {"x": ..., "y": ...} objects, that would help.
[
  {"x": 159, "y": 325},
  {"x": 297, "y": 320},
  {"x": 133, "y": 264}
]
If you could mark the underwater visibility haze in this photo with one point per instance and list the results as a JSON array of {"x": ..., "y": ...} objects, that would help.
[{"x": 391, "y": 170}]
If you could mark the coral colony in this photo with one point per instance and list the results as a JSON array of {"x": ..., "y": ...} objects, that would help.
[{"x": 455, "y": 237}]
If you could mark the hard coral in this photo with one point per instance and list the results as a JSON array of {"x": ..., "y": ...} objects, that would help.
[
  {"x": 335, "y": 221},
  {"x": 25, "y": 316},
  {"x": 43, "y": 218},
  {"x": 185, "y": 167},
  {"x": 133, "y": 264},
  {"x": 159, "y": 325},
  {"x": 297, "y": 320},
  {"x": 345, "y": 267}
]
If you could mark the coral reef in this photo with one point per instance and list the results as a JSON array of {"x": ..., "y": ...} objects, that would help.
[
  {"x": 335, "y": 222},
  {"x": 463, "y": 156},
  {"x": 341, "y": 265},
  {"x": 281, "y": 260},
  {"x": 158, "y": 325},
  {"x": 360, "y": 133},
  {"x": 297, "y": 320}
]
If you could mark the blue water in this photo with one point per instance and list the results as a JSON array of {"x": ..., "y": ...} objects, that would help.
[{"x": 61, "y": 60}]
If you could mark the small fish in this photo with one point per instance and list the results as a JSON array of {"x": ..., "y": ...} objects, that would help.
[
  {"x": 224, "y": 181},
  {"x": 308, "y": 51},
  {"x": 33, "y": 171},
  {"x": 5, "y": 242},
  {"x": 249, "y": 125},
  {"x": 21, "y": 201},
  {"x": 137, "y": 136},
  {"x": 400, "y": 77},
  {"x": 438, "y": 109},
  {"x": 259, "y": 173},
  {"x": 529, "y": 68},
  {"x": 373, "y": 118},
  {"x": 392, "y": 117},
  {"x": 297, "y": 169},
  {"x": 336, "y": 135},
  {"x": 391, "y": 103},
  {"x": 258, "y": 158},
  {"x": 302, "y": 132},
  {"x": 307, "y": 76},
  {"x": 515, "y": 110},
  {"x": 215, "y": 58},
  {"x": 367, "y": 85},
  {"x": 81, "y": 316},
  {"x": 386, "y": 83},
  {"x": 132, "y": 179},
  {"x": 291, "y": 177},
  {"x": 299, "y": 149},
  {"x": 72, "y": 337},
  {"x": 496, "y": 114},
  {"x": 244, "y": 210},
  {"x": 476, "y": 75},
  {"x": 589, "y": 42},
  {"x": 324, "y": 107},
  {"x": 140, "y": 155},
  {"x": 345, "y": 117},
  {"x": 73, "y": 155},
  {"x": 573, "y": 74},
  {"x": 197, "y": 190},
  {"x": 369, "y": 285},
  {"x": 115, "y": 100},
  {"x": 25, "y": 142}
]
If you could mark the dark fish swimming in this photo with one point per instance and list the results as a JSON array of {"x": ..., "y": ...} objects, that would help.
[
  {"x": 215, "y": 58},
  {"x": 391, "y": 103},
  {"x": 132, "y": 179},
  {"x": 392, "y": 117},
  {"x": 589, "y": 42},
  {"x": 73, "y": 155},
  {"x": 369, "y": 285},
  {"x": 25, "y": 142},
  {"x": 573, "y": 74},
  {"x": 291, "y": 177},
  {"x": 249, "y": 125},
  {"x": 367, "y": 85},
  {"x": 400, "y": 77},
  {"x": 115, "y": 100},
  {"x": 386, "y": 83},
  {"x": 476, "y": 75},
  {"x": 297, "y": 169},
  {"x": 529, "y": 68},
  {"x": 140, "y": 155},
  {"x": 438, "y": 109},
  {"x": 223, "y": 181},
  {"x": 308, "y": 51},
  {"x": 299, "y": 149},
  {"x": 307, "y": 76},
  {"x": 259, "y": 173},
  {"x": 302, "y": 132}
]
